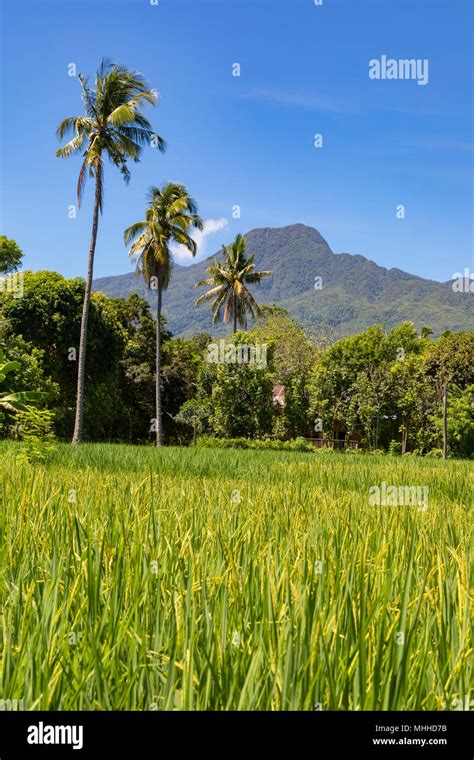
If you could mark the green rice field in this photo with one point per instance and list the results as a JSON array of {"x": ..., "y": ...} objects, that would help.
[{"x": 193, "y": 579}]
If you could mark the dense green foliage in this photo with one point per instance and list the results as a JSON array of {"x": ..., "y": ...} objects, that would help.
[
  {"x": 11, "y": 400},
  {"x": 42, "y": 331},
  {"x": 269, "y": 444},
  {"x": 143, "y": 578},
  {"x": 10, "y": 255},
  {"x": 385, "y": 386},
  {"x": 382, "y": 388}
]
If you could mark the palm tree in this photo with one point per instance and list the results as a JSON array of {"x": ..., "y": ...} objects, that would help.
[
  {"x": 112, "y": 125},
  {"x": 170, "y": 214},
  {"x": 229, "y": 280}
]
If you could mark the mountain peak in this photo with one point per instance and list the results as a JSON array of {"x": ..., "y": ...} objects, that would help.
[{"x": 296, "y": 234}]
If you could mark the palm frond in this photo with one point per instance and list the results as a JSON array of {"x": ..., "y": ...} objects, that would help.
[
  {"x": 132, "y": 232},
  {"x": 73, "y": 146},
  {"x": 209, "y": 295},
  {"x": 112, "y": 124}
]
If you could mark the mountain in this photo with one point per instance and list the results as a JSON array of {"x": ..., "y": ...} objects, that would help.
[{"x": 355, "y": 292}]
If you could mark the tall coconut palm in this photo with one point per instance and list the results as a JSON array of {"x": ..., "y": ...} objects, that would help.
[
  {"x": 114, "y": 126},
  {"x": 170, "y": 215},
  {"x": 229, "y": 279}
]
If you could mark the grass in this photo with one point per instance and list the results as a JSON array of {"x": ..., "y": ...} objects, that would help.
[{"x": 221, "y": 579}]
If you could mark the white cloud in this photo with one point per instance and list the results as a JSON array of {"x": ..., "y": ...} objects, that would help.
[
  {"x": 308, "y": 101},
  {"x": 181, "y": 253}
]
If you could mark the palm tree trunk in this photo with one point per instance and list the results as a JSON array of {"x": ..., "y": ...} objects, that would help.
[
  {"x": 159, "y": 426},
  {"x": 235, "y": 313},
  {"x": 445, "y": 421},
  {"x": 77, "y": 436}
]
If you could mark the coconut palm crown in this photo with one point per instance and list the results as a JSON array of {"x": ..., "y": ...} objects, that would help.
[{"x": 229, "y": 280}]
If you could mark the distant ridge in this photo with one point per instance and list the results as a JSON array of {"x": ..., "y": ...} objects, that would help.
[{"x": 355, "y": 291}]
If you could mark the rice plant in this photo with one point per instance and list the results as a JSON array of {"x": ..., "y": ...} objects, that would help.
[{"x": 197, "y": 579}]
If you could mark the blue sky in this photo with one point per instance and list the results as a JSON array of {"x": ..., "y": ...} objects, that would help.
[{"x": 249, "y": 140}]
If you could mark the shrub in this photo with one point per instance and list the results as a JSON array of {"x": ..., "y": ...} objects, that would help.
[
  {"x": 35, "y": 430},
  {"x": 435, "y": 453},
  {"x": 297, "y": 444}
]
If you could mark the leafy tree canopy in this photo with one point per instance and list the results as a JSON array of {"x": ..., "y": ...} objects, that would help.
[{"x": 10, "y": 255}]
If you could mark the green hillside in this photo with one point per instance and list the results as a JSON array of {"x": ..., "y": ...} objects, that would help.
[{"x": 355, "y": 292}]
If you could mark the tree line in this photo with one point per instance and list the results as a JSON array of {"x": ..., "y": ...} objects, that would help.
[{"x": 387, "y": 389}]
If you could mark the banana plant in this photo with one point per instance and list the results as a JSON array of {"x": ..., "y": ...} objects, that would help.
[{"x": 10, "y": 401}]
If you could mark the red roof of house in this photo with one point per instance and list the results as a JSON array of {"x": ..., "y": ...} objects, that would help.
[{"x": 278, "y": 391}]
